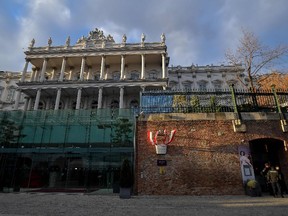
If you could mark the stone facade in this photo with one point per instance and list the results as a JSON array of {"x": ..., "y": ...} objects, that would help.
[
  {"x": 203, "y": 158},
  {"x": 8, "y": 90},
  {"x": 217, "y": 77},
  {"x": 96, "y": 72}
]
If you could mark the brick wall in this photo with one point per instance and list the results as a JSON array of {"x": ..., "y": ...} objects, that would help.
[{"x": 203, "y": 158}]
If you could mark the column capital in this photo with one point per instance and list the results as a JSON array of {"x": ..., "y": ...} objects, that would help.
[{"x": 27, "y": 59}]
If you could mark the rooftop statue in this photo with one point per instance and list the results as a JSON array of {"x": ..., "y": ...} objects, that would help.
[
  {"x": 32, "y": 43},
  {"x": 124, "y": 38},
  {"x": 49, "y": 41},
  {"x": 163, "y": 38},
  {"x": 68, "y": 41},
  {"x": 143, "y": 38},
  {"x": 82, "y": 39}
]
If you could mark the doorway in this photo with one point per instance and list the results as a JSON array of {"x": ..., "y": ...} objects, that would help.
[{"x": 266, "y": 150}]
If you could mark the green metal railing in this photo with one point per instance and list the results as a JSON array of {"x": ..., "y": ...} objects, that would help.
[{"x": 197, "y": 101}]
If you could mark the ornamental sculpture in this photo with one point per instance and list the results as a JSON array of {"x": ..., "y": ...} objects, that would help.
[
  {"x": 68, "y": 41},
  {"x": 143, "y": 38},
  {"x": 32, "y": 43},
  {"x": 49, "y": 41},
  {"x": 163, "y": 38},
  {"x": 124, "y": 38},
  {"x": 164, "y": 137},
  {"x": 96, "y": 37}
]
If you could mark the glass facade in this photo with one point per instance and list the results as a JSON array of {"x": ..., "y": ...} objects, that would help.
[{"x": 71, "y": 149}]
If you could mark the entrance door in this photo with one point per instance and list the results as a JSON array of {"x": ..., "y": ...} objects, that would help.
[{"x": 267, "y": 151}]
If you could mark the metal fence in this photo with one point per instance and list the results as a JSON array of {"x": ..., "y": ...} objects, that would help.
[{"x": 211, "y": 101}]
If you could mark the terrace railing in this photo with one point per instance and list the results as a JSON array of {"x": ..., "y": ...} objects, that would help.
[{"x": 211, "y": 101}]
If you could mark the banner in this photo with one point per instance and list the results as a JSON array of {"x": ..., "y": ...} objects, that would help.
[{"x": 246, "y": 163}]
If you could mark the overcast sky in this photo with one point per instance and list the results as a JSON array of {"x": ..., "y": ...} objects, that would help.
[{"x": 197, "y": 31}]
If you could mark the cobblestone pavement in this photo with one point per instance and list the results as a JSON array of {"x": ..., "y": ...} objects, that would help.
[{"x": 91, "y": 204}]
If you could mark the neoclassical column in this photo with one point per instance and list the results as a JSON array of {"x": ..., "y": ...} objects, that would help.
[
  {"x": 89, "y": 73},
  {"x": 100, "y": 92},
  {"x": 82, "y": 68},
  {"x": 53, "y": 73},
  {"x": 17, "y": 99},
  {"x": 142, "y": 66},
  {"x": 102, "y": 70},
  {"x": 57, "y": 102},
  {"x": 43, "y": 69},
  {"x": 70, "y": 73},
  {"x": 37, "y": 100},
  {"x": 33, "y": 74},
  {"x": 61, "y": 77},
  {"x": 47, "y": 105},
  {"x": 122, "y": 67},
  {"x": 86, "y": 102},
  {"x": 25, "y": 70},
  {"x": 78, "y": 102},
  {"x": 163, "y": 66},
  {"x": 36, "y": 77},
  {"x": 26, "y": 103},
  {"x": 121, "y": 98},
  {"x": 29, "y": 104}
]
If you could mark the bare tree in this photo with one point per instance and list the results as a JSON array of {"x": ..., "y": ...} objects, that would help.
[{"x": 254, "y": 56}]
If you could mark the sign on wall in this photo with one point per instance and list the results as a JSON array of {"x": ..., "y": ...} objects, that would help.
[{"x": 164, "y": 139}]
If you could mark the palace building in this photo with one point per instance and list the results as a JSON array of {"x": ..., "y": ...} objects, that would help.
[{"x": 70, "y": 122}]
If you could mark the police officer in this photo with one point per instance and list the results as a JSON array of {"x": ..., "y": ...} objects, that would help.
[{"x": 273, "y": 178}]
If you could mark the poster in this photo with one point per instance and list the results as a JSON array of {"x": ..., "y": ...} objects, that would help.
[{"x": 247, "y": 170}]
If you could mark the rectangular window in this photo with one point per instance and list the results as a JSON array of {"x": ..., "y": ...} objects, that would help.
[
  {"x": 10, "y": 95},
  {"x": 202, "y": 86}
]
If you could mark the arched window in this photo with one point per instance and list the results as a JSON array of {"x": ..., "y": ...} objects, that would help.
[
  {"x": 173, "y": 85},
  {"x": 114, "y": 104},
  {"x": 186, "y": 85},
  {"x": 11, "y": 93},
  {"x": 232, "y": 82},
  {"x": 217, "y": 85},
  {"x": 61, "y": 105},
  {"x": 116, "y": 76},
  {"x": 41, "y": 105},
  {"x": 135, "y": 75},
  {"x": 74, "y": 105},
  {"x": 97, "y": 76},
  {"x": 202, "y": 84},
  {"x": 134, "y": 104},
  {"x": 94, "y": 104},
  {"x": 153, "y": 75}
]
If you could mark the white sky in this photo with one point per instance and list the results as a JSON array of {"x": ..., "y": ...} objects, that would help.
[{"x": 197, "y": 31}]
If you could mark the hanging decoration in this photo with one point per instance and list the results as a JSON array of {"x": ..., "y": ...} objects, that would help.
[{"x": 161, "y": 139}]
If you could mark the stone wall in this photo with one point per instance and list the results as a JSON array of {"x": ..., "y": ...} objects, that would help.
[{"x": 203, "y": 158}]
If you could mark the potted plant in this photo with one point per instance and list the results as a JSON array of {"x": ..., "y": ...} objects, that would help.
[{"x": 126, "y": 180}]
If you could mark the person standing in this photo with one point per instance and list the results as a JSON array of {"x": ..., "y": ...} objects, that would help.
[
  {"x": 273, "y": 178},
  {"x": 281, "y": 180}
]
